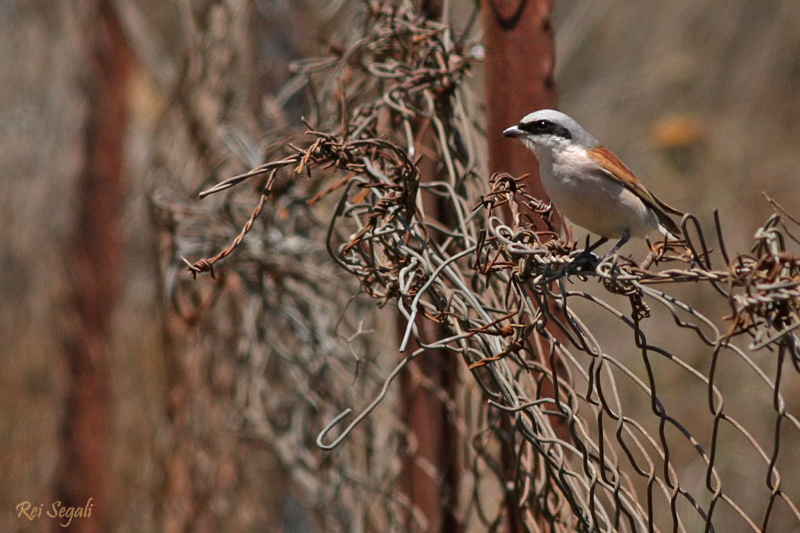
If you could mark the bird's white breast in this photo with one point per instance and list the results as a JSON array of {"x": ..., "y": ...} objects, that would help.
[{"x": 590, "y": 198}]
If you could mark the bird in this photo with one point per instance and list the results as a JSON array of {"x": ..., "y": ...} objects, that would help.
[{"x": 588, "y": 184}]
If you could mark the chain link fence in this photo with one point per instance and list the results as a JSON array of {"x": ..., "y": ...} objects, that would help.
[{"x": 636, "y": 397}]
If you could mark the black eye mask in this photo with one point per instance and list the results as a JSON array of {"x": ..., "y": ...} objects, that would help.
[{"x": 544, "y": 127}]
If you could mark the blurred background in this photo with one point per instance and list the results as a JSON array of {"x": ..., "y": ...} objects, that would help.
[{"x": 700, "y": 98}]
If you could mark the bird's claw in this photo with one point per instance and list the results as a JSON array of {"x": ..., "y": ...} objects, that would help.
[{"x": 585, "y": 260}]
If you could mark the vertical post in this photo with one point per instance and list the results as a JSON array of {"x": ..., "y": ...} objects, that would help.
[
  {"x": 518, "y": 40},
  {"x": 94, "y": 259},
  {"x": 520, "y": 58},
  {"x": 434, "y": 492}
]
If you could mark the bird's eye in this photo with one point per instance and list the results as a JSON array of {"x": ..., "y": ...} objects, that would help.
[
  {"x": 538, "y": 127},
  {"x": 545, "y": 127}
]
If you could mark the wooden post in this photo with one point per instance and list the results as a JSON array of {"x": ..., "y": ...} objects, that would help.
[
  {"x": 518, "y": 40},
  {"x": 519, "y": 63},
  {"x": 94, "y": 260},
  {"x": 424, "y": 412}
]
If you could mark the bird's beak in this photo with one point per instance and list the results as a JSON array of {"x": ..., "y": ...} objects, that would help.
[{"x": 513, "y": 131}]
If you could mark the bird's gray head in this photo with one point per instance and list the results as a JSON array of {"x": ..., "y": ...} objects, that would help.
[{"x": 549, "y": 130}]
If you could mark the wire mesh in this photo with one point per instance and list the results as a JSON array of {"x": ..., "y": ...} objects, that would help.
[{"x": 612, "y": 431}]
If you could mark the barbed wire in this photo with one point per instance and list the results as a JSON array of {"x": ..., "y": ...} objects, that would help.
[{"x": 607, "y": 430}]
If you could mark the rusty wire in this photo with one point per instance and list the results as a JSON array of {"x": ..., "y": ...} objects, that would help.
[{"x": 607, "y": 438}]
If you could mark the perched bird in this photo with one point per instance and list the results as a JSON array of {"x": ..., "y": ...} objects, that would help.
[{"x": 588, "y": 184}]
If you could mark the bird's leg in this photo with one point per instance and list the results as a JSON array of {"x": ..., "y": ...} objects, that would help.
[
  {"x": 585, "y": 257},
  {"x": 589, "y": 249},
  {"x": 626, "y": 235}
]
